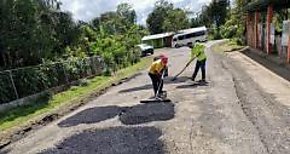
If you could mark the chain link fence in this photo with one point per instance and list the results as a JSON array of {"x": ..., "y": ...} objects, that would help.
[{"x": 23, "y": 82}]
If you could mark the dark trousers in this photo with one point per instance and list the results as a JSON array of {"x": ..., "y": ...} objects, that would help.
[
  {"x": 156, "y": 82},
  {"x": 199, "y": 64}
]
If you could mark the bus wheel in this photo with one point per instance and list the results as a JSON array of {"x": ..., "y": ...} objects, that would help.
[{"x": 176, "y": 46}]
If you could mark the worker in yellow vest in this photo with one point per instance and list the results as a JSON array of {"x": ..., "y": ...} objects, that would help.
[
  {"x": 197, "y": 51},
  {"x": 156, "y": 71}
]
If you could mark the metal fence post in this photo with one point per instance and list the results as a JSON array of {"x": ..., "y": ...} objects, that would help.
[
  {"x": 64, "y": 72},
  {"x": 13, "y": 84}
]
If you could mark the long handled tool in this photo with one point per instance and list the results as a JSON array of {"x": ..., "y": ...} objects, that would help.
[
  {"x": 160, "y": 84},
  {"x": 156, "y": 98},
  {"x": 175, "y": 77}
]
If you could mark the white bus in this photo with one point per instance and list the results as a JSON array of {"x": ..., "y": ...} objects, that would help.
[{"x": 189, "y": 36}]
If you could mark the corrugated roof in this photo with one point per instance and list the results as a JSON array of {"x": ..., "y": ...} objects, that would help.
[{"x": 261, "y": 5}]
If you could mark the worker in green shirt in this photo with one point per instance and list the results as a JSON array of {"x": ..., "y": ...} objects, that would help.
[{"x": 197, "y": 51}]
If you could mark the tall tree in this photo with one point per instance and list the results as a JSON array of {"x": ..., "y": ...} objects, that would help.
[
  {"x": 157, "y": 17},
  {"x": 128, "y": 14},
  {"x": 176, "y": 19},
  {"x": 32, "y": 30},
  {"x": 165, "y": 18},
  {"x": 116, "y": 22},
  {"x": 218, "y": 11}
]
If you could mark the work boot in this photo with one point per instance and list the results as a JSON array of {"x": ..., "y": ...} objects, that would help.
[
  {"x": 152, "y": 97},
  {"x": 202, "y": 80},
  {"x": 192, "y": 79}
]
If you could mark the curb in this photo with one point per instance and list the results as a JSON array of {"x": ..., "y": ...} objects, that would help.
[{"x": 274, "y": 59}]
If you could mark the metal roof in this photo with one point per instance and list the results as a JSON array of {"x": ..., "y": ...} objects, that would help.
[{"x": 261, "y": 5}]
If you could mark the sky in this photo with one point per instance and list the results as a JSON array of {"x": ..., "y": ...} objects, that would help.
[{"x": 88, "y": 9}]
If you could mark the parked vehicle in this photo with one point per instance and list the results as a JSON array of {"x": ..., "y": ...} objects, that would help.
[
  {"x": 145, "y": 49},
  {"x": 189, "y": 36}
]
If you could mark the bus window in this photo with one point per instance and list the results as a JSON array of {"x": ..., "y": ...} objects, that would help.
[
  {"x": 199, "y": 33},
  {"x": 180, "y": 37},
  {"x": 191, "y": 35},
  {"x": 187, "y": 36}
]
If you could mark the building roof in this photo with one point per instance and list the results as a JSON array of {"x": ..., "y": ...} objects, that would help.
[
  {"x": 157, "y": 36},
  {"x": 261, "y": 5}
]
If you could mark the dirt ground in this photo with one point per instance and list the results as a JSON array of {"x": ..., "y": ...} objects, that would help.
[{"x": 243, "y": 109}]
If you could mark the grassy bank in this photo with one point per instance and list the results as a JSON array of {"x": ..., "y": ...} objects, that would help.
[
  {"x": 23, "y": 116},
  {"x": 227, "y": 46}
]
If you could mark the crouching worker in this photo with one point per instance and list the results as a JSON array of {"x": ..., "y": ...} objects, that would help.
[{"x": 156, "y": 73}]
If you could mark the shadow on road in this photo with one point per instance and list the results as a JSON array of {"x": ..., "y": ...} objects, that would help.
[
  {"x": 92, "y": 115},
  {"x": 144, "y": 87},
  {"x": 4, "y": 151},
  {"x": 180, "y": 79},
  {"x": 194, "y": 85},
  {"x": 144, "y": 113},
  {"x": 119, "y": 140},
  {"x": 167, "y": 80}
]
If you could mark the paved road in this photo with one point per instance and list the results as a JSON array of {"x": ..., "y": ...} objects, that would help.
[{"x": 244, "y": 109}]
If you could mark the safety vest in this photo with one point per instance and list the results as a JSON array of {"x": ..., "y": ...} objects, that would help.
[{"x": 198, "y": 52}]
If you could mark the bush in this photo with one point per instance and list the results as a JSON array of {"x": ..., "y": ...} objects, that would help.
[
  {"x": 30, "y": 81},
  {"x": 228, "y": 32},
  {"x": 7, "y": 93}
]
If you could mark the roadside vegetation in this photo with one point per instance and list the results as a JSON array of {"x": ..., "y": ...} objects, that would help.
[
  {"x": 227, "y": 46},
  {"x": 225, "y": 19},
  {"x": 44, "y": 47},
  {"x": 65, "y": 101}
]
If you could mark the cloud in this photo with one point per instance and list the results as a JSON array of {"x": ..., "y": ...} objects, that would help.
[{"x": 87, "y": 9}]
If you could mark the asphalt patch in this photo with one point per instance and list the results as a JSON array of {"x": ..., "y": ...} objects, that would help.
[
  {"x": 91, "y": 115},
  {"x": 117, "y": 140},
  {"x": 144, "y": 113}
]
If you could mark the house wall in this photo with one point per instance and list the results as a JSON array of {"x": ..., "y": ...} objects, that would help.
[{"x": 258, "y": 34}]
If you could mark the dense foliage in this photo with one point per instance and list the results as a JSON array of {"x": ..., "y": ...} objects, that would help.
[
  {"x": 213, "y": 16},
  {"x": 32, "y": 30},
  {"x": 166, "y": 18},
  {"x": 35, "y": 31},
  {"x": 45, "y": 47}
]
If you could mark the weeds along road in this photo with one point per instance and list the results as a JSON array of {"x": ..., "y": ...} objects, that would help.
[{"x": 244, "y": 109}]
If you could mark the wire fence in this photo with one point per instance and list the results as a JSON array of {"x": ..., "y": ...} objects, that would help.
[{"x": 23, "y": 82}]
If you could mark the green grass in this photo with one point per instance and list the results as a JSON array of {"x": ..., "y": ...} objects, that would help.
[{"x": 24, "y": 115}]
